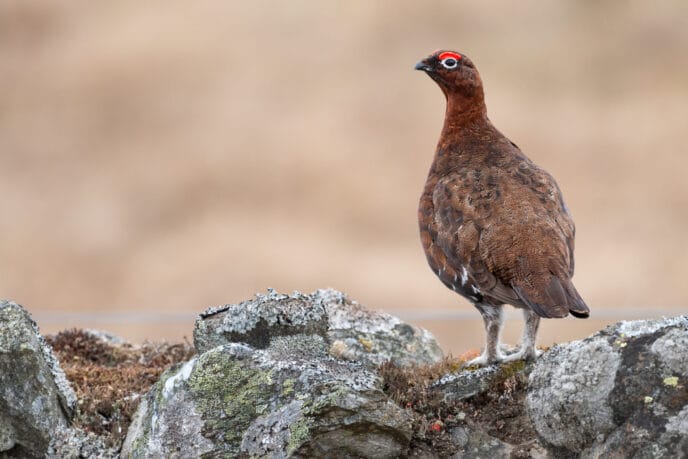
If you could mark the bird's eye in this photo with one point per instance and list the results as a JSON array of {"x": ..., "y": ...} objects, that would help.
[{"x": 449, "y": 63}]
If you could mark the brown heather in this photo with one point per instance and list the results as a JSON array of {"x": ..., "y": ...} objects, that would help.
[{"x": 110, "y": 379}]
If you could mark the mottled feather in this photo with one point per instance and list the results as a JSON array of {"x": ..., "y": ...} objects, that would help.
[{"x": 494, "y": 225}]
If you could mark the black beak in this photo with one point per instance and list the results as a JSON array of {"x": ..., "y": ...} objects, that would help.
[{"x": 423, "y": 66}]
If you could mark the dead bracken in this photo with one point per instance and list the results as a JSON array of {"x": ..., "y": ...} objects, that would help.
[{"x": 109, "y": 378}]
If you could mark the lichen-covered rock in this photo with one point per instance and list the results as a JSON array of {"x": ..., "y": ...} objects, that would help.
[
  {"x": 256, "y": 322},
  {"x": 476, "y": 443},
  {"x": 359, "y": 334},
  {"x": 75, "y": 443},
  {"x": 290, "y": 398},
  {"x": 350, "y": 331},
  {"x": 36, "y": 398},
  {"x": 454, "y": 387},
  {"x": 622, "y": 392}
]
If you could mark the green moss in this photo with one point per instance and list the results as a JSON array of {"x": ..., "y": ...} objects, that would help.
[
  {"x": 510, "y": 369},
  {"x": 288, "y": 387},
  {"x": 229, "y": 394},
  {"x": 299, "y": 433},
  {"x": 506, "y": 370}
]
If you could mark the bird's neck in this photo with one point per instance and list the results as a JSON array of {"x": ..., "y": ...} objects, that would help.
[{"x": 462, "y": 112}]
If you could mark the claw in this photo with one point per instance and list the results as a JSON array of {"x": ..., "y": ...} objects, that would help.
[
  {"x": 520, "y": 354},
  {"x": 524, "y": 353},
  {"x": 483, "y": 360}
]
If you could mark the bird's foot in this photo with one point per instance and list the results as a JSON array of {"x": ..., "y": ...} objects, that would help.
[
  {"x": 524, "y": 353},
  {"x": 486, "y": 359},
  {"x": 527, "y": 353},
  {"x": 507, "y": 350}
]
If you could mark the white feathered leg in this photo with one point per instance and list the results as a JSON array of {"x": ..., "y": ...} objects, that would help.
[
  {"x": 527, "y": 349},
  {"x": 493, "y": 320}
]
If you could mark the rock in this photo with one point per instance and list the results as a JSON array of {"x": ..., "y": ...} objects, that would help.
[
  {"x": 36, "y": 398},
  {"x": 350, "y": 331},
  {"x": 75, "y": 443},
  {"x": 289, "y": 398},
  {"x": 455, "y": 387},
  {"x": 256, "y": 322},
  {"x": 298, "y": 376},
  {"x": 475, "y": 443},
  {"x": 361, "y": 335},
  {"x": 621, "y": 392},
  {"x": 488, "y": 407}
]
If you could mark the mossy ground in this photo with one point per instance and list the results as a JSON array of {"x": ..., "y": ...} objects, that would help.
[
  {"x": 109, "y": 379},
  {"x": 500, "y": 411}
]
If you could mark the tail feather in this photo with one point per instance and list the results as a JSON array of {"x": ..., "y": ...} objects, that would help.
[
  {"x": 577, "y": 306},
  {"x": 556, "y": 299}
]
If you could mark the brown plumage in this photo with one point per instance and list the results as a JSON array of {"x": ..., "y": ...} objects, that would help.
[{"x": 494, "y": 226}]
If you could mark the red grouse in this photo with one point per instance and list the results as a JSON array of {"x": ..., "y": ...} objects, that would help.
[{"x": 494, "y": 226}]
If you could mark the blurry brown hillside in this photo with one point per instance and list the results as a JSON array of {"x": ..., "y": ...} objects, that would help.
[{"x": 162, "y": 157}]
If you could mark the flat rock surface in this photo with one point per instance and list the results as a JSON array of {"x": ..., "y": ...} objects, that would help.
[{"x": 351, "y": 331}]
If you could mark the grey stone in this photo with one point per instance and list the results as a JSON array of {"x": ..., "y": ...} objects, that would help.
[
  {"x": 350, "y": 331},
  {"x": 256, "y": 321},
  {"x": 359, "y": 334},
  {"x": 566, "y": 390},
  {"x": 296, "y": 376},
  {"x": 75, "y": 443},
  {"x": 271, "y": 433},
  {"x": 289, "y": 399},
  {"x": 36, "y": 398},
  {"x": 671, "y": 349},
  {"x": 473, "y": 443},
  {"x": 465, "y": 384},
  {"x": 622, "y": 391},
  {"x": 168, "y": 423}
]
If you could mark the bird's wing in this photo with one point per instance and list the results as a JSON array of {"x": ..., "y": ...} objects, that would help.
[
  {"x": 512, "y": 233},
  {"x": 460, "y": 215}
]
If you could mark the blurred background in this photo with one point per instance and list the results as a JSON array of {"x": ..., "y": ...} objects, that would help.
[{"x": 157, "y": 158}]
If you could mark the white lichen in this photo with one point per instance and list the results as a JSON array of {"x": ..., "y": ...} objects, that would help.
[
  {"x": 671, "y": 349},
  {"x": 182, "y": 374},
  {"x": 678, "y": 423},
  {"x": 631, "y": 328}
]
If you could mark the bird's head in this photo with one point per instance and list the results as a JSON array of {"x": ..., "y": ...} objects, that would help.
[{"x": 455, "y": 74}]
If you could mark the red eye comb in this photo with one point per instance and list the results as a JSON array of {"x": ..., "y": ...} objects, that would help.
[{"x": 447, "y": 54}]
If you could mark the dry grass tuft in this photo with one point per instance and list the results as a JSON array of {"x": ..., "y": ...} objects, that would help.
[
  {"x": 110, "y": 378},
  {"x": 499, "y": 411},
  {"x": 409, "y": 387}
]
